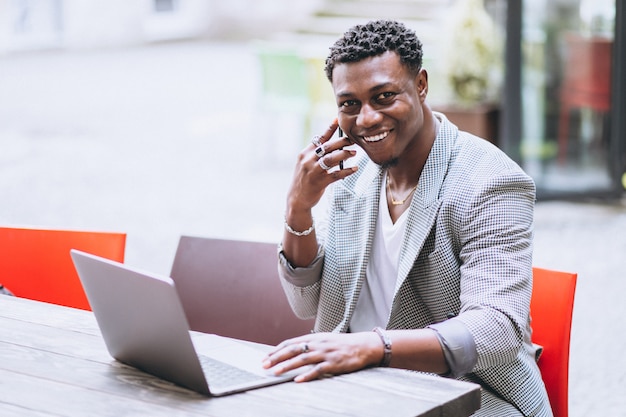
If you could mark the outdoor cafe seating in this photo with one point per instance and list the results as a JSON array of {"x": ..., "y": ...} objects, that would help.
[{"x": 231, "y": 288}]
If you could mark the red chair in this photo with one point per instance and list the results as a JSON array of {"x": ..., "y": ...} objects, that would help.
[
  {"x": 36, "y": 263},
  {"x": 586, "y": 80},
  {"x": 551, "y": 307}
]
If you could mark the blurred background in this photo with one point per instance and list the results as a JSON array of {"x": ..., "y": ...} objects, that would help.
[{"x": 167, "y": 117}]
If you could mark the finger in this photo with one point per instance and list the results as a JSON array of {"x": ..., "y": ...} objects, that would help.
[
  {"x": 322, "y": 146},
  {"x": 320, "y": 151},
  {"x": 333, "y": 145},
  {"x": 288, "y": 342},
  {"x": 346, "y": 154},
  {"x": 325, "y": 163},
  {"x": 313, "y": 373},
  {"x": 336, "y": 159},
  {"x": 325, "y": 137},
  {"x": 340, "y": 174},
  {"x": 284, "y": 352},
  {"x": 297, "y": 362},
  {"x": 330, "y": 131}
]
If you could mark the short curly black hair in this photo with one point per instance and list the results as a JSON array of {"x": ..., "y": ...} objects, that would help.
[{"x": 373, "y": 39}]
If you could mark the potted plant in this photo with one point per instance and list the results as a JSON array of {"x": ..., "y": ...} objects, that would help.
[{"x": 473, "y": 70}]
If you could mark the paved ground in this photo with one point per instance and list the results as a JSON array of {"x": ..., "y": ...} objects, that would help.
[{"x": 167, "y": 140}]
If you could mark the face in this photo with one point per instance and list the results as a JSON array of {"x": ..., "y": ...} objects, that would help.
[{"x": 380, "y": 107}]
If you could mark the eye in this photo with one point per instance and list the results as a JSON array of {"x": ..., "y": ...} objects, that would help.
[
  {"x": 348, "y": 103},
  {"x": 385, "y": 97},
  {"x": 349, "y": 106}
]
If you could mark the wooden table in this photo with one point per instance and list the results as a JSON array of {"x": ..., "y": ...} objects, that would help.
[{"x": 53, "y": 362}]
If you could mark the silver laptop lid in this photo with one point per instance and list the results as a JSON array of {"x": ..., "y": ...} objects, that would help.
[{"x": 141, "y": 319}]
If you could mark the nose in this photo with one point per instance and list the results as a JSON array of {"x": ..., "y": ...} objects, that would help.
[{"x": 368, "y": 117}]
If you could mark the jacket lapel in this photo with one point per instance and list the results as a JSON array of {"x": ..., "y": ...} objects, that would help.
[
  {"x": 422, "y": 215},
  {"x": 352, "y": 258},
  {"x": 426, "y": 201}
]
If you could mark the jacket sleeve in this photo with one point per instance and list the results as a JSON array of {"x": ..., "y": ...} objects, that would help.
[
  {"x": 302, "y": 285},
  {"x": 496, "y": 266}
]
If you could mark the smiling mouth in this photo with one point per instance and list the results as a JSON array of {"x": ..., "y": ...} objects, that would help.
[{"x": 376, "y": 138}]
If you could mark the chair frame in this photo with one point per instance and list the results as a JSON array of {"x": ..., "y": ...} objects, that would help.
[{"x": 231, "y": 288}]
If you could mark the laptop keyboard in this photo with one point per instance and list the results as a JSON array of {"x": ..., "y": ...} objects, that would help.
[{"x": 223, "y": 374}]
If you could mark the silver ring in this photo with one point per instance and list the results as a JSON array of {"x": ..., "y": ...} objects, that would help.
[
  {"x": 320, "y": 151},
  {"x": 305, "y": 348},
  {"x": 323, "y": 165},
  {"x": 317, "y": 140}
]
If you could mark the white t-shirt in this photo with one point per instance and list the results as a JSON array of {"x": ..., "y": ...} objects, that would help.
[{"x": 374, "y": 304}]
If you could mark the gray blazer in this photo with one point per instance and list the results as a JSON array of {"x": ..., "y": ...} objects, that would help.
[{"x": 467, "y": 254}]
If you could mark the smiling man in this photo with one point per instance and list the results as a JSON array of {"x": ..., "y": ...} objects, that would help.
[{"x": 425, "y": 262}]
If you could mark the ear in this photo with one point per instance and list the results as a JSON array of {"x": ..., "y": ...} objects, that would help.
[{"x": 421, "y": 82}]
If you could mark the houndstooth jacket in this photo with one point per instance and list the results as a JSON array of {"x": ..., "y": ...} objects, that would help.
[{"x": 467, "y": 254}]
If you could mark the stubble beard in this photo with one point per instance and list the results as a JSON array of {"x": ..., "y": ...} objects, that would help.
[{"x": 389, "y": 163}]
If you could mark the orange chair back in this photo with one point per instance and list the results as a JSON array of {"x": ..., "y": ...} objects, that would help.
[
  {"x": 551, "y": 307},
  {"x": 36, "y": 263}
]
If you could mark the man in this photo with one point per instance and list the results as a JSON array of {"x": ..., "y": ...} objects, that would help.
[{"x": 429, "y": 237}]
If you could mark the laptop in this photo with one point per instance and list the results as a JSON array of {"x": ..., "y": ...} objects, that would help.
[{"x": 144, "y": 325}]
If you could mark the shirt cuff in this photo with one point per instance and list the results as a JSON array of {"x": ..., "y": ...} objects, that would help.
[
  {"x": 301, "y": 276},
  {"x": 458, "y": 346}
]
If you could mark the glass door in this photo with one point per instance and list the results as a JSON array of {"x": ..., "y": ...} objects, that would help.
[{"x": 567, "y": 96}]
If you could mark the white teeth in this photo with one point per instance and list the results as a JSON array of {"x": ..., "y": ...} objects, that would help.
[{"x": 376, "y": 138}]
